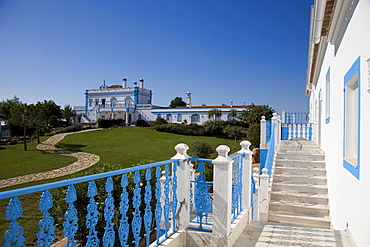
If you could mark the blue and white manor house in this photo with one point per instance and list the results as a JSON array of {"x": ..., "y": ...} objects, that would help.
[{"x": 133, "y": 103}]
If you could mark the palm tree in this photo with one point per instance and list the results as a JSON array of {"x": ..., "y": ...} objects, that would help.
[
  {"x": 214, "y": 113},
  {"x": 233, "y": 114},
  {"x": 68, "y": 113}
]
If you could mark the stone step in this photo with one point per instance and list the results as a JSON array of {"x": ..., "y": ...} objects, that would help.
[
  {"x": 299, "y": 180},
  {"x": 300, "y": 197},
  {"x": 304, "y": 172},
  {"x": 309, "y": 209},
  {"x": 299, "y": 163},
  {"x": 299, "y": 219},
  {"x": 294, "y": 187},
  {"x": 301, "y": 156}
]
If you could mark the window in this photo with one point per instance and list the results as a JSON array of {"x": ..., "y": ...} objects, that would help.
[
  {"x": 352, "y": 135},
  {"x": 103, "y": 101},
  {"x": 327, "y": 97},
  {"x": 169, "y": 118},
  {"x": 91, "y": 102},
  {"x": 195, "y": 119},
  {"x": 159, "y": 115},
  {"x": 179, "y": 117}
]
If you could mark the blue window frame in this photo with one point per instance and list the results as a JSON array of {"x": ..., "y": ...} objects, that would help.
[
  {"x": 327, "y": 98},
  {"x": 179, "y": 117},
  {"x": 352, "y": 116}
]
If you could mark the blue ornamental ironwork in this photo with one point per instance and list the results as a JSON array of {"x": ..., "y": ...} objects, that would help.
[
  {"x": 166, "y": 210},
  {"x": 92, "y": 216},
  {"x": 148, "y": 210},
  {"x": 15, "y": 232},
  {"x": 203, "y": 200},
  {"x": 158, "y": 207},
  {"x": 46, "y": 235},
  {"x": 174, "y": 194},
  {"x": 109, "y": 233},
  {"x": 124, "y": 227},
  {"x": 71, "y": 221},
  {"x": 137, "y": 220}
]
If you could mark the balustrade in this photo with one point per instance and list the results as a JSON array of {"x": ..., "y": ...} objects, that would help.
[{"x": 133, "y": 206}]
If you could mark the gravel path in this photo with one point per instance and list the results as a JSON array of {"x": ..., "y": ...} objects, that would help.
[{"x": 84, "y": 160}]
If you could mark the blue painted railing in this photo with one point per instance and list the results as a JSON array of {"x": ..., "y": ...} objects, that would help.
[
  {"x": 150, "y": 212},
  {"x": 296, "y": 118},
  {"x": 268, "y": 130},
  {"x": 297, "y": 132},
  {"x": 201, "y": 201},
  {"x": 270, "y": 151},
  {"x": 237, "y": 189}
]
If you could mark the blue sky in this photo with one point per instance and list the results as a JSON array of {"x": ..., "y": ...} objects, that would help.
[{"x": 252, "y": 51}]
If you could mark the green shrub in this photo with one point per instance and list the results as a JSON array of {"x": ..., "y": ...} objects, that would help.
[
  {"x": 160, "y": 121},
  {"x": 214, "y": 127},
  {"x": 107, "y": 123},
  {"x": 253, "y": 135},
  {"x": 200, "y": 149},
  {"x": 141, "y": 123}
]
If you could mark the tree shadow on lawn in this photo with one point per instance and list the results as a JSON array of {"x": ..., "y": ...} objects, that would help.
[{"x": 71, "y": 147}]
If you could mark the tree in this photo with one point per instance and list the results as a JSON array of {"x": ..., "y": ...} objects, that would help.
[
  {"x": 68, "y": 114},
  {"x": 234, "y": 131},
  {"x": 52, "y": 113},
  {"x": 37, "y": 118},
  {"x": 252, "y": 113},
  {"x": 177, "y": 102},
  {"x": 233, "y": 113},
  {"x": 6, "y": 107},
  {"x": 20, "y": 114},
  {"x": 214, "y": 113}
]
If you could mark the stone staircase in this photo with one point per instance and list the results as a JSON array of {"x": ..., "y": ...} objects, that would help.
[{"x": 299, "y": 190}]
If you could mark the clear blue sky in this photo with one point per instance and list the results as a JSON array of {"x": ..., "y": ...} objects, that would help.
[{"x": 220, "y": 50}]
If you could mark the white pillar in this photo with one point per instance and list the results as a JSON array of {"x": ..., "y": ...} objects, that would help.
[
  {"x": 283, "y": 117},
  {"x": 264, "y": 201},
  {"x": 279, "y": 130},
  {"x": 256, "y": 195},
  {"x": 183, "y": 187},
  {"x": 263, "y": 133},
  {"x": 274, "y": 124},
  {"x": 247, "y": 173},
  {"x": 222, "y": 191}
]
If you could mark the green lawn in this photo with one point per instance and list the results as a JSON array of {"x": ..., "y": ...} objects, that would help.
[
  {"x": 125, "y": 147},
  {"x": 14, "y": 161}
]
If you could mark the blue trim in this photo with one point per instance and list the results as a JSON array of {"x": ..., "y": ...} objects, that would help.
[
  {"x": 355, "y": 68},
  {"x": 327, "y": 120},
  {"x": 327, "y": 97},
  {"x": 86, "y": 101},
  {"x": 263, "y": 155}
]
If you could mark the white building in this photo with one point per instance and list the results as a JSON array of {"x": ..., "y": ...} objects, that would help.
[
  {"x": 338, "y": 83},
  {"x": 133, "y": 103}
]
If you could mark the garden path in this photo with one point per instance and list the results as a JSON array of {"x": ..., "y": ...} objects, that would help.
[{"x": 84, "y": 160}]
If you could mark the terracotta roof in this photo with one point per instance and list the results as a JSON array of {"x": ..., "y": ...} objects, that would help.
[{"x": 115, "y": 86}]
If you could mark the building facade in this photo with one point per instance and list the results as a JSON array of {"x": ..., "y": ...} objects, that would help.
[
  {"x": 133, "y": 103},
  {"x": 338, "y": 85}
]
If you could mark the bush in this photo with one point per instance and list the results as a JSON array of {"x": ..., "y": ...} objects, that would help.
[
  {"x": 214, "y": 127},
  {"x": 107, "y": 123},
  {"x": 160, "y": 121},
  {"x": 253, "y": 135},
  {"x": 141, "y": 123},
  {"x": 200, "y": 149}
]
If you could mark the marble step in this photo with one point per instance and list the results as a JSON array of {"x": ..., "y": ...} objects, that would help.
[
  {"x": 301, "y": 156},
  {"x": 309, "y": 209},
  {"x": 300, "y": 171},
  {"x": 298, "y": 188},
  {"x": 300, "y": 197},
  {"x": 299, "y": 179},
  {"x": 299, "y": 163},
  {"x": 299, "y": 219}
]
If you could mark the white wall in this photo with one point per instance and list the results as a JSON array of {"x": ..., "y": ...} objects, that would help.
[{"x": 349, "y": 197}]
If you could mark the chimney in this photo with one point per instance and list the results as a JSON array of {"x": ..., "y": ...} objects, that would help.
[
  {"x": 231, "y": 104},
  {"x": 188, "y": 99},
  {"x": 124, "y": 83},
  {"x": 135, "y": 84},
  {"x": 141, "y": 82}
]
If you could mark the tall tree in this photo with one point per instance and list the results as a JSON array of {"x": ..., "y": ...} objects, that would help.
[
  {"x": 68, "y": 114},
  {"x": 6, "y": 107},
  {"x": 52, "y": 112},
  {"x": 252, "y": 113},
  {"x": 177, "y": 102},
  {"x": 37, "y": 118},
  {"x": 214, "y": 113},
  {"x": 233, "y": 113},
  {"x": 20, "y": 115}
]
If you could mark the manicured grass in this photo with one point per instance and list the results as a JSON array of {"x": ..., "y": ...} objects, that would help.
[
  {"x": 125, "y": 147},
  {"x": 14, "y": 161}
]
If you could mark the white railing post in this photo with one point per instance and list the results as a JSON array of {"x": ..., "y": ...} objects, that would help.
[
  {"x": 283, "y": 117},
  {"x": 263, "y": 133},
  {"x": 222, "y": 192},
  {"x": 274, "y": 124},
  {"x": 247, "y": 173},
  {"x": 256, "y": 195},
  {"x": 264, "y": 201},
  {"x": 279, "y": 131},
  {"x": 183, "y": 187}
]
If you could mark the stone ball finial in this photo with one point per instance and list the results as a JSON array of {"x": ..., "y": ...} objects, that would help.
[
  {"x": 181, "y": 150},
  {"x": 264, "y": 171},
  {"x": 256, "y": 170},
  {"x": 245, "y": 144},
  {"x": 274, "y": 114},
  {"x": 263, "y": 118},
  {"x": 223, "y": 150}
]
